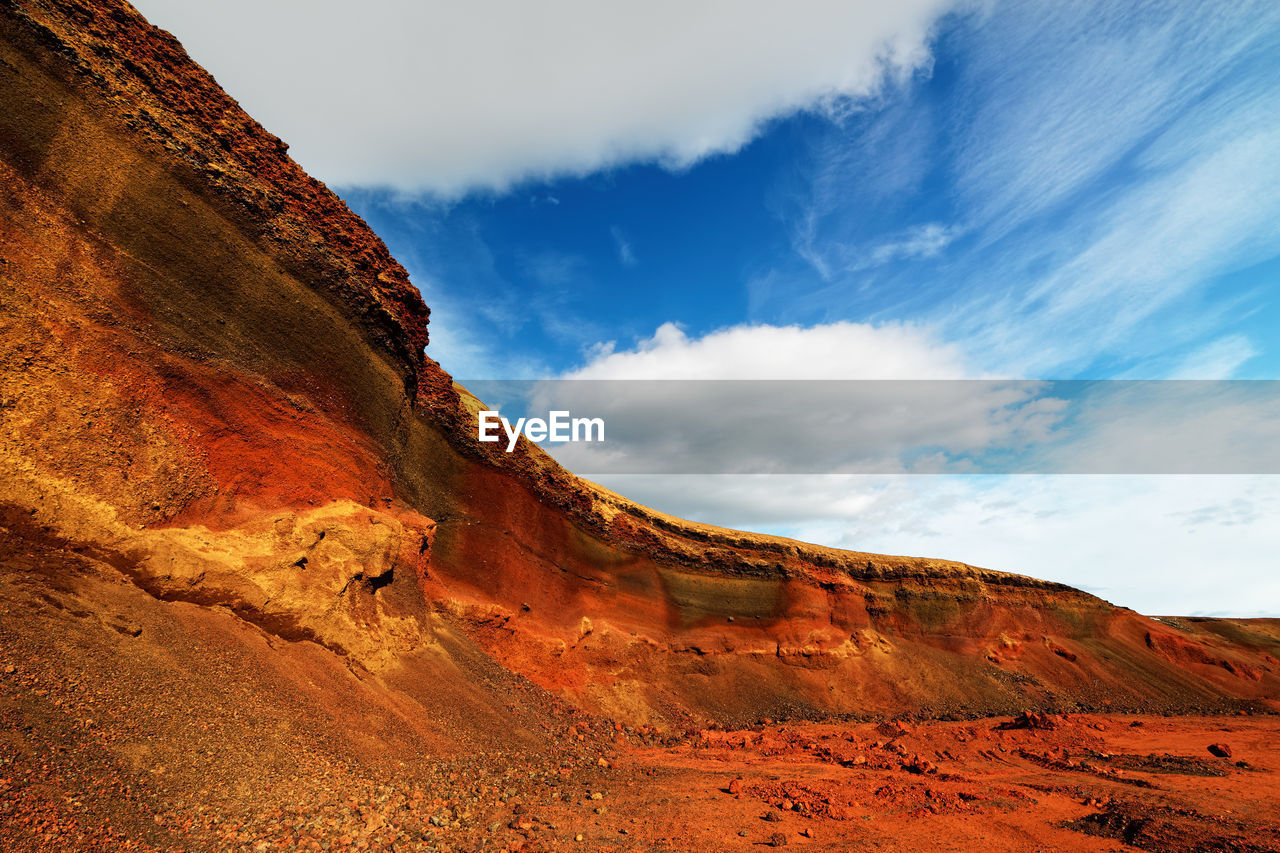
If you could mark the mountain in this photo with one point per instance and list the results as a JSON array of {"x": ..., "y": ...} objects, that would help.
[{"x": 242, "y": 507}]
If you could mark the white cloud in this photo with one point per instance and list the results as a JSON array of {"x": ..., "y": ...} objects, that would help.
[
  {"x": 1067, "y": 91},
  {"x": 1166, "y": 137},
  {"x": 957, "y": 423},
  {"x": 922, "y": 241},
  {"x": 1159, "y": 243},
  {"x": 551, "y": 268},
  {"x": 834, "y": 259},
  {"x": 1107, "y": 165},
  {"x": 792, "y": 426},
  {"x": 1161, "y": 545},
  {"x": 1218, "y": 359},
  {"x": 724, "y": 425},
  {"x": 1172, "y": 427},
  {"x": 626, "y": 254},
  {"x": 448, "y": 96},
  {"x": 830, "y": 351}
]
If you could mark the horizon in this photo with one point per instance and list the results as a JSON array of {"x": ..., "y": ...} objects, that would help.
[{"x": 947, "y": 191}]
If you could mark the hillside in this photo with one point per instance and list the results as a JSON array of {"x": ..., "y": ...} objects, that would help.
[{"x": 242, "y": 506}]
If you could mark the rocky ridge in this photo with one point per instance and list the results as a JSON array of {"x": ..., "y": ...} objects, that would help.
[{"x": 216, "y": 385}]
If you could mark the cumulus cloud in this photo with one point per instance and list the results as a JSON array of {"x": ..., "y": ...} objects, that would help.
[
  {"x": 861, "y": 398},
  {"x": 760, "y": 398},
  {"x": 448, "y": 96},
  {"x": 843, "y": 350},
  {"x": 788, "y": 426}
]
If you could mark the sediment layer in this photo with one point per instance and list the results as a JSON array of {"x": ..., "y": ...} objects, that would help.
[{"x": 214, "y": 382}]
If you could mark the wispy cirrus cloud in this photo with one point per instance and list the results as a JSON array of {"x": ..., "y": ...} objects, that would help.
[
  {"x": 1152, "y": 249},
  {"x": 552, "y": 268},
  {"x": 1218, "y": 359},
  {"x": 1104, "y": 166},
  {"x": 626, "y": 254},
  {"x": 1064, "y": 93}
]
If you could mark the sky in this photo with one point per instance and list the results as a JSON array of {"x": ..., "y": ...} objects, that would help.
[{"x": 827, "y": 190}]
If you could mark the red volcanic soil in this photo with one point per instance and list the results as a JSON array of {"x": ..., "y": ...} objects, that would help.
[
  {"x": 260, "y": 589},
  {"x": 127, "y": 723}
]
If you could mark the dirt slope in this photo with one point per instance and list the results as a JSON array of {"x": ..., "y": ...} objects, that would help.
[
  {"x": 259, "y": 589},
  {"x": 213, "y": 383}
]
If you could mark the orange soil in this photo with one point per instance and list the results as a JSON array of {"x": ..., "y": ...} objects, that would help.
[
  {"x": 259, "y": 588},
  {"x": 209, "y": 355},
  {"x": 1092, "y": 783},
  {"x": 131, "y": 723}
]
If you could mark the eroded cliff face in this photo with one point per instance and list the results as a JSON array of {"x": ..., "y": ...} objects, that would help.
[{"x": 213, "y": 380}]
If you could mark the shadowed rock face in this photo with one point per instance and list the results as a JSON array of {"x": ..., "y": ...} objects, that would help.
[{"x": 213, "y": 379}]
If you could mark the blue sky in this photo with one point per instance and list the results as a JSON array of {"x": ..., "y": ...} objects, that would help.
[
  {"x": 554, "y": 269},
  {"x": 823, "y": 189},
  {"x": 1060, "y": 192}
]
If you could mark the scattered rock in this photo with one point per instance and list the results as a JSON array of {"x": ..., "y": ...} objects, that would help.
[
  {"x": 778, "y": 839},
  {"x": 1220, "y": 749},
  {"x": 1031, "y": 720},
  {"x": 894, "y": 728},
  {"x": 920, "y": 765}
]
